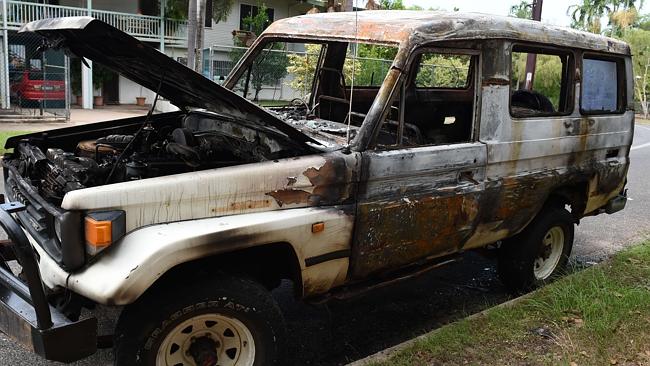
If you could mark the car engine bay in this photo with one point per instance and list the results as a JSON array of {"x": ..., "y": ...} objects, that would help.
[{"x": 200, "y": 141}]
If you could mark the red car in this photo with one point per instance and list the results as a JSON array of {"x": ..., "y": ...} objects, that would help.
[{"x": 29, "y": 88}]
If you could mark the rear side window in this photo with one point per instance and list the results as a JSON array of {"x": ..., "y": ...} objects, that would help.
[
  {"x": 542, "y": 90},
  {"x": 600, "y": 86}
]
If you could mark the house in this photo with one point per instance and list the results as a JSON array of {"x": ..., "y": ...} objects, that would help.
[
  {"x": 218, "y": 41},
  {"x": 143, "y": 19}
]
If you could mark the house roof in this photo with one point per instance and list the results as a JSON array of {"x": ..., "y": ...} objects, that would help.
[{"x": 402, "y": 26}]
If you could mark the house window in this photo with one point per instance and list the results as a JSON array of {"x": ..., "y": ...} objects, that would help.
[
  {"x": 547, "y": 91},
  {"x": 251, "y": 11},
  {"x": 208, "y": 14},
  {"x": 600, "y": 86},
  {"x": 221, "y": 69}
]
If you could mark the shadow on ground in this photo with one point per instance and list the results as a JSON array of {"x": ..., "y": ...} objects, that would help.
[{"x": 344, "y": 331}]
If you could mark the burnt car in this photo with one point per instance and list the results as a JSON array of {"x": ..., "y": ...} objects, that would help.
[{"x": 403, "y": 140}]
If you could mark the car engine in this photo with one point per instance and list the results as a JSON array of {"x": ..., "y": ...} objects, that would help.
[{"x": 148, "y": 153}]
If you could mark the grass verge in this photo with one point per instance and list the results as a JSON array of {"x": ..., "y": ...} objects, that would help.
[
  {"x": 4, "y": 135},
  {"x": 600, "y": 316}
]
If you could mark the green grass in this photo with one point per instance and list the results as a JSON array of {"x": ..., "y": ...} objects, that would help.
[
  {"x": 641, "y": 120},
  {"x": 599, "y": 316},
  {"x": 4, "y": 135}
]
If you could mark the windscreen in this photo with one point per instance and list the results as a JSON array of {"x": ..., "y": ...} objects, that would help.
[{"x": 317, "y": 76}]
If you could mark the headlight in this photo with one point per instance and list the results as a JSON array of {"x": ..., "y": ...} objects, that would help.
[{"x": 102, "y": 229}]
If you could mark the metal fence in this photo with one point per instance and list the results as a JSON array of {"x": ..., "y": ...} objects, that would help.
[
  {"x": 38, "y": 82},
  {"x": 219, "y": 60}
]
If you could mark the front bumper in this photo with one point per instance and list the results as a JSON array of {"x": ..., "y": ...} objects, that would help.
[{"x": 25, "y": 314}]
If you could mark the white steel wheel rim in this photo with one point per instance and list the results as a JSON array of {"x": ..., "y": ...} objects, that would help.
[
  {"x": 235, "y": 345},
  {"x": 550, "y": 253}
]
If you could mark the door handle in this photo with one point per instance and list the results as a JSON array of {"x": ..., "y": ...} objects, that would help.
[{"x": 467, "y": 175}]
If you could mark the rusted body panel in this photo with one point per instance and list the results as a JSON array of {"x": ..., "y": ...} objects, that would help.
[
  {"x": 417, "y": 27},
  {"x": 415, "y": 203}
]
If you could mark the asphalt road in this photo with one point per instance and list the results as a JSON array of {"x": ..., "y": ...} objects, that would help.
[{"x": 345, "y": 331}]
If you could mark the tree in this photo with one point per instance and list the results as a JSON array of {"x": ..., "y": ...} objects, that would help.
[
  {"x": 269, "y": 67},
  {"x": 639, "y": 41},
  {"x": 178, "y": 9},
  {"x": 302, "y": 68},
  {"x": 548, "y": 75},
  {"x": 621, "y": 14},
  {"x": 523, "y": 10},
  {"x": 443, "y": 71}
]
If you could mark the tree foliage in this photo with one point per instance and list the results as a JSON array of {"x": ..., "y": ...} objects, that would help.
[
  {"x": 548, "y": 75},
  {"x": 302, "y": 68},
  {"x": 639, "y": 41},
  {"x": 443, "y": 71},
  {"x": 621, "y": 15},
  {"x": 523, "y": 10},
  {"x": 270, "y": 66},
  {"x": 177, "y": 9}
]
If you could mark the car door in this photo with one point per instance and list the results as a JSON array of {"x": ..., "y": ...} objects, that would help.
[{"x": 419, "y": 198}]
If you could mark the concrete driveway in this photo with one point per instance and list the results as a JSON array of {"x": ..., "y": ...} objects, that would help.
[{"x": 348, "y": 330}]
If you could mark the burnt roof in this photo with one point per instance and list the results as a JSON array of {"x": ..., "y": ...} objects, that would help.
[{"x": 415, "y": 27}]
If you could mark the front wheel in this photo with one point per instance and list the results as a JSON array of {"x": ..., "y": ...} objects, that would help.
[
  {"x": 539, "y": 253},
  {"x": 227, "y": 322}
]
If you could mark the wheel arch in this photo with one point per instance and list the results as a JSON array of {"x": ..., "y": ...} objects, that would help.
[
  {"x": 267, "y": 264},
  {"x": 575, "y": 195}
]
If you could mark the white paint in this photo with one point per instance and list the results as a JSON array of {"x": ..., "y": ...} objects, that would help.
[
  {"x": 124, "y": 271},
  {"x": 642, "y": 146}
]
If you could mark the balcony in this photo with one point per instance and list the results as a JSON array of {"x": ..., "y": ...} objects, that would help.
[{"x": 143, "y": 27}]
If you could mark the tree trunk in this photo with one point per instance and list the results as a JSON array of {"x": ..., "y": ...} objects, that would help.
[
  {"x": 200, "y": 20},
  {"x": 191, "y": 34}
]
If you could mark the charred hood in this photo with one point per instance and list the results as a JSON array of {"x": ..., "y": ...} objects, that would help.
[{"x": 102, "y": 43}]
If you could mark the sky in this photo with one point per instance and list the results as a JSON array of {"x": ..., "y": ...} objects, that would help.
[{"x": 553, "y": 11}]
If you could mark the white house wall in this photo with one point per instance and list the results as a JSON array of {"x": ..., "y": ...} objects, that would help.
[
  {"x": 221, "y": 33},
  {"x": 130, "y": 89}
]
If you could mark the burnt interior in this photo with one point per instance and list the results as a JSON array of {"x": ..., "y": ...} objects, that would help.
[
  {"x": 60, "y": 161},
  {"x": 427, "y": 110}
]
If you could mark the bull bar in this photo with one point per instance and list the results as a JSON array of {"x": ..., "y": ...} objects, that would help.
[{"x": 25, "y": 313}]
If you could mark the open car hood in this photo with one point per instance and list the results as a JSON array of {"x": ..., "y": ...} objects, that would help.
[{"x": 97, "y": 41}]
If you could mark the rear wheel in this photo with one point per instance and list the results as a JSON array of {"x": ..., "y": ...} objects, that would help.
[
  {"x": 539, "y": 253},
  {"x": 227, "y": 322}
]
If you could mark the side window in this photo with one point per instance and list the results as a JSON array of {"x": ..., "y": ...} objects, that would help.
[
  {"x": 436, "y": 104},
  {"x": 600, "y": 86},
  {"x": 370, "y": 66},
  {"x": 544, "y": 91},
  {"x": 441, "y": 71}
]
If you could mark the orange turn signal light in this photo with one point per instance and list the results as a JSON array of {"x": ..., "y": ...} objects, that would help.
[
  {"x": 103, "y": 228},
  {"x": 98, "y": 233},
  {"x": 317, "y": 227}
]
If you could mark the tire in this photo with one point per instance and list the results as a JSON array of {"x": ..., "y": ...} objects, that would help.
[
  {"x": 539, "y": 253},
  {"x": 207, "y": 319}
]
